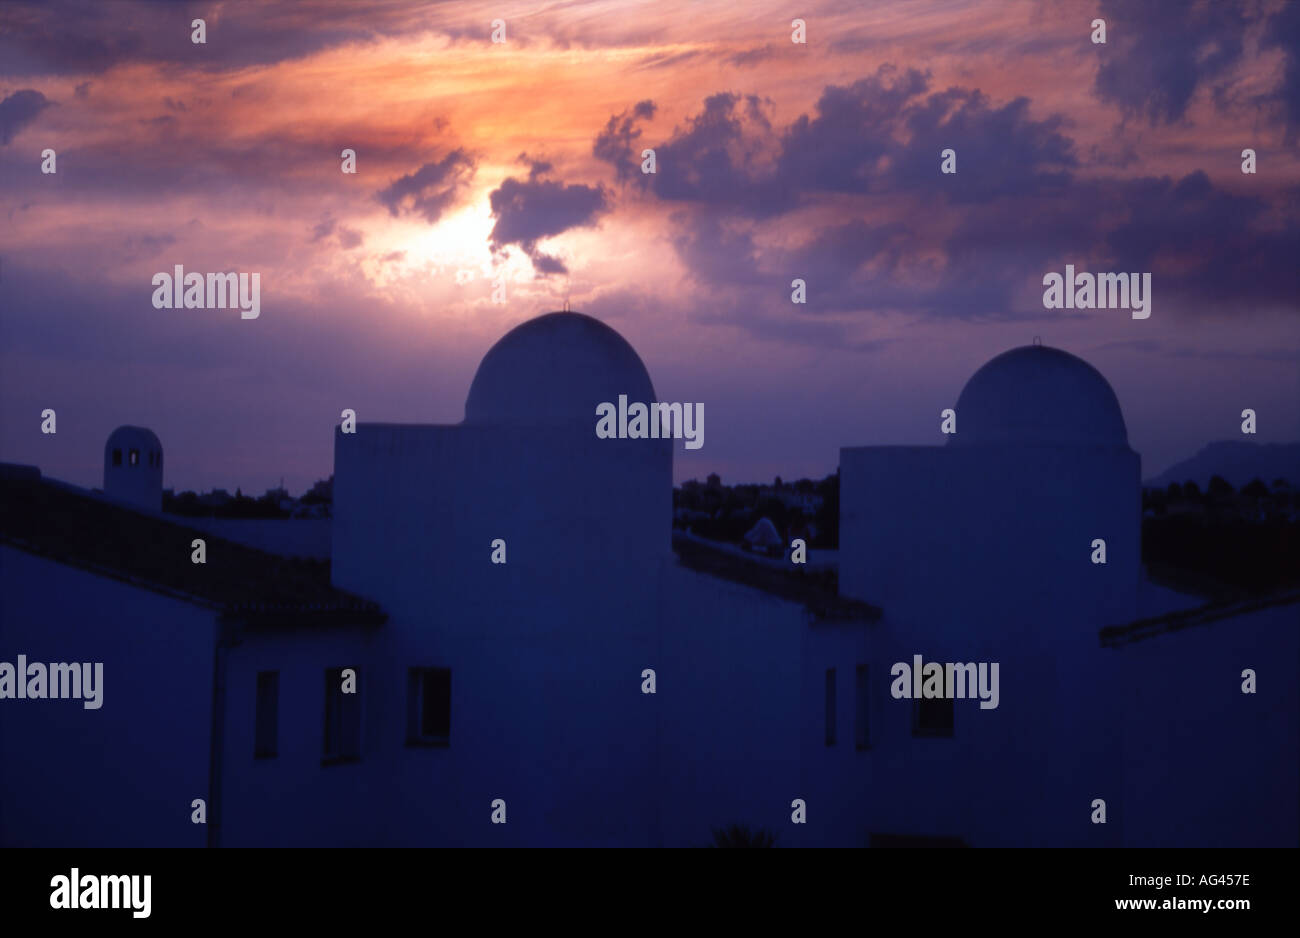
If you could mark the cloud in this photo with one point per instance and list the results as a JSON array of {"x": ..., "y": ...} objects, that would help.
[
  {"x": 751, "y": 56},
  {"x": 852, "y": 201},
  {"x": 883, "y": 133},
  {"x": 1217, "y": 246},
  {"x": 617, "y": 143},
  {"x": 718, "y": 158},
  {"x": 18, "y": 110},
  {"x": 1159, "y": 52},
  {"x": 431, "y": 189},
  {"x": 348, "y": 238},
  {"x": 78, "y": 37},
  {"x": 1283, "y": 32},
  {"x": 528, "y": 210}
]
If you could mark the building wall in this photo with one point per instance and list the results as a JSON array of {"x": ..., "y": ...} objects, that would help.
[
  {"x": 546, "y": 650},
  {"x": 982, "y": 554},
  {"x": 125, "y": 774},
  {"x": 417, "y": 508},
  {"x": 836, "y": 779},
  {"x": 554, "y": 725},
  {"x": 730, "y": 712},
  {"x": 1208, "y": 765}
]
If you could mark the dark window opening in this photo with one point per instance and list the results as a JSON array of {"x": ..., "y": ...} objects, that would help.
[
  {"x": 933, "y": 716},
  {"x": 830, "y": 706},
  {"x": 428, "y": 715},
  {"x": 342, "y": 717},
  {"x": 265, "y": 743},
  {"x": 117, "y": 457},
  {"x": 862, "y": 715}
]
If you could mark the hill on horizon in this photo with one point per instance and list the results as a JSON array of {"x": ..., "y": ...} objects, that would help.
[{"x": 1238, "y": 462}]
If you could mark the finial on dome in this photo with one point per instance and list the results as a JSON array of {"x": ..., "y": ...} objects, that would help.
[
  {"x": 1038, "y": 340},
  {"x": 566, "y": 305}
]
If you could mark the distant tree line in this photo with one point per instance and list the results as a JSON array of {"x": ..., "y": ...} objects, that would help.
[
  {"x": 1223, "y": 542},
  {"x": 317, "y": 502},
  {"x": 1255, "y": 498},
  {"x": 725, "y": 513}
]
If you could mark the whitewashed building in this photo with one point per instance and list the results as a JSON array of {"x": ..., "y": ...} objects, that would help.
[{"x": 515, "y": 691}]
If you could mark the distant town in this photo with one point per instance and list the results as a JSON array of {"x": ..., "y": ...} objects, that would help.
[{"x": 1226, "y": 542}]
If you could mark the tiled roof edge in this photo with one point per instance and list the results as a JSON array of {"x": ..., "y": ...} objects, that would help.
[{"x": 1113, "y": 636}]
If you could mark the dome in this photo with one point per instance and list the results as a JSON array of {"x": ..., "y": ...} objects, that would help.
[
  {"x": 555, "y": 370},
  {"x": 1039, "y": 395}
]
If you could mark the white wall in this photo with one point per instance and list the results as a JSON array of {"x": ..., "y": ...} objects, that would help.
[
  {"x": 546, "y": 650},
  {"x": 729, "y": 689},
  {"x": 125, "y": 774},
  {"x": 1208, "y": 765},
  {"x": 983, "y": 554}
]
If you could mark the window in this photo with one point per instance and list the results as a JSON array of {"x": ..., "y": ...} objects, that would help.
[
  {"x": 933, "y": 716},
  {"x": 428, "y": 709},
  {"x": 268, "y": 715},
  {"x": 861, "y": 710},
  {"x": 830, "y": 706},
  {"x": 133, "y": 457},
  {"x": 117, "y": 457},
  {"x": 342, "y": 716}
]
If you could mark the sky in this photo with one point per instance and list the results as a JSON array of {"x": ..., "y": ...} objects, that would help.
[{"x": 521, "y": 160}]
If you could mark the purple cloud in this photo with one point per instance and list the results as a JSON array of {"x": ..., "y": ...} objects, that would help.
[
  {"x": 431, "y": 189},
  {"x": 528, "y": 210},
  {"x": 18, "y": 110}
]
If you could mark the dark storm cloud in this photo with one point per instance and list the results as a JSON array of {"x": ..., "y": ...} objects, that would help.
[
  {"x": 1014, "y": 210},
  {"x": 528, "y": 210},
  {"x": 839, "y": 147},
  {"x": 1283, "y": 32},
  {"x": 617, "y": 143},
  {"x": 18, "y": 110},
  {"x": 883, "y": 133},
  {"x": 715, "y": 159},
  {"x": 79, "y": 36},
  {"x": 431, "y": 189},
  {"x": 1224, "y": 246},
  {"x": 1158, "y": 52}
]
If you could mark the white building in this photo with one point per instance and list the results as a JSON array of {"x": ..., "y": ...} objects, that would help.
[
  {"x": 523, "y": 682},
  {"x": 133, "y": 467}
]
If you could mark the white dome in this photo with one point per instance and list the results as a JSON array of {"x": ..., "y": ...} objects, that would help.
[
  {"x": 1039, "y": 395},
  {"x": 555, "y": 370}
]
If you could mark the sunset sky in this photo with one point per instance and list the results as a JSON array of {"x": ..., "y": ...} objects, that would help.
[{"x": 775, "y": 161}]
